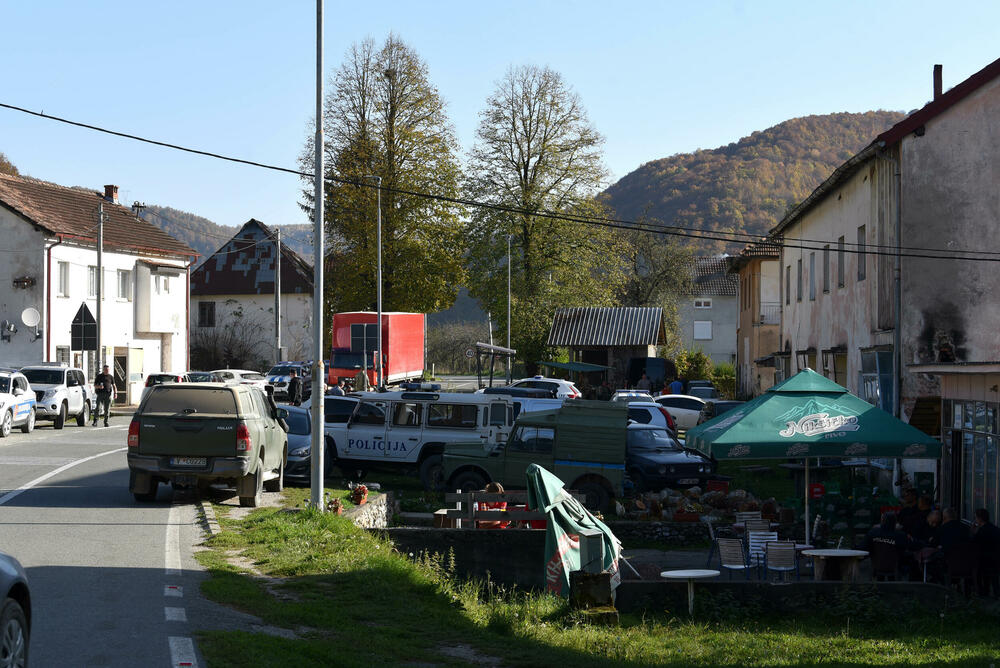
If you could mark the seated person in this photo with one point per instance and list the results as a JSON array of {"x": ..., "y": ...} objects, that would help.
[
  {"x": 909, "y": 511},
  {"x": 886, "y": 534},
  {"x": 492, "y": 488},
  {"x": 951, "y": 532}
]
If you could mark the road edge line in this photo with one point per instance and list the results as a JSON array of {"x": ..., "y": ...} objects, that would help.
[
  {"x": 208, "y": 515},
  {"x": 42, "y": 478}
]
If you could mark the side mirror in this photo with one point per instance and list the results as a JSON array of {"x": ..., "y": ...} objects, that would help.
[
  {"x": 281, "y": 414},
  {"x": 18, "y": 391}
]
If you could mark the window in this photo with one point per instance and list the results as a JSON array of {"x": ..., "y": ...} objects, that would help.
[
  {"x": 498, "y": 415},
  {"x": 364, "y": 337},
  {"x": 338, "y": 411},
  {"x": 702, "y": 330},
  {"x": 369, "y": 414},
  {"x": 406, "y": 415},
  {"x": 92, "y": 282},
  {"x": 124, "y": 284},
  {"x": 532, "y": 439},
  {"x": 157, "y": 284},
  {"x": 166, "y": 285},
  {"x": 62, "y": 356},
  {"x": 812, "y": 276},
  {"x": 840, "y": 262},
  {"x": 64, "y": 279},
  {"x": 206, "y": 314},
  {"x": 798, "y": 280},
  {"x": 640, "y": 415},
  {"x": 455, "y": 416},
  {"x": 788, "y": 284},
  {"x": 703, "y": 303},
  {"x": 862, "y": 258},
  {"x": 826, "y": 268}
]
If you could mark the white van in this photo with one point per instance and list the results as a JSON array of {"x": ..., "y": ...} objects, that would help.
[{"x": 410, "y": 429}]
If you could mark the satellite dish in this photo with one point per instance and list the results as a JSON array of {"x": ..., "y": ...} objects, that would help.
[{"x": 30, "y": 317}]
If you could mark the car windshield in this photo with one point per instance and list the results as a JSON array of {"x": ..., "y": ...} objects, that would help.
[
  {"x": 298, "y": 422},
  {"x": 4, "y": 385},
  {"x": 44, "y": 376},
  {"x": 159, "y": 380},
  {"x": 651, "y": 439},
  {"x": 252, "y": 376},
  {"x": 201, "y": 377},
  {"x": 281, "y": 370},
  {"x": 703, "y": 392},
  {"x": 175, "y": 399},
  {"x": 351, "y": 360}
]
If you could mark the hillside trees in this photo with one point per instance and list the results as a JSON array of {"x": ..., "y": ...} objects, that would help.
[
  {"x": 7, "y": 167},
  {"x": 537, "y": 152},
  {"x": 384, "y": 118}
]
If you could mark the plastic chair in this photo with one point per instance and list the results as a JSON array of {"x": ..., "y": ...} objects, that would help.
[
  {"x": 756, "y": 542},
  {"x": 779, "y": 556},
  {"x": 732, "y": 556},
  {"x": 748, "y": 515},
  {"x": 758, "y": 525},
  {"x": 885, "y": 561},
  {"x": 713, "y": 536}
]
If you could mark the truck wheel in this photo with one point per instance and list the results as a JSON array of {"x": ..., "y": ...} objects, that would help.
[
  {"x": 595, "y": 497},
  {"x": 468, "y": 481},
  {"x": 6, "y": 424},
  {"x": 29, "y": 424},
  {"x": 432, "y": 473},
  {"x": 60, "y": 419},
  {"x": 142, "y": 486},
  {"x": 81, "y": 419},
  {"x": 277, "y": 484},
  {"x": 256, "y": 483}
]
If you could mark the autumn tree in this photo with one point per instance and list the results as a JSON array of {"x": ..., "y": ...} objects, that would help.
[
  {"x": 7, "y": 167},
  {"x": 383, "y": 118},
  {"x": 536, "y": 152}
]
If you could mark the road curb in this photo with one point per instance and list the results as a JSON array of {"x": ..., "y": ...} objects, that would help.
[{"x": 208, "y": 516}]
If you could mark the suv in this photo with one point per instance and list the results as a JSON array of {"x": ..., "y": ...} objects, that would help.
[
  {"x": 583, "y": 443},
  {"x": 655, "y": 459},
  {"x": 650, "y": 412},
  {"x": 280, "y": 374},
  {"x": 17, "y": 403},
  {"x": 563, "y": 389},
  {"x": 61, "y": 393},
  {"x": 194, "y": 434}
]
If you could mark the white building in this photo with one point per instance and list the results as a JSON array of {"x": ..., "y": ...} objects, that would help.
[
  {"x": 49, "y": 267},
  {"x": 709, "y": 316},
  {"x": 233, "y": 303}
]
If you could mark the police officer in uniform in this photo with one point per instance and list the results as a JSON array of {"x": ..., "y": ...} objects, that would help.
[{"x": 104, "y": 386}]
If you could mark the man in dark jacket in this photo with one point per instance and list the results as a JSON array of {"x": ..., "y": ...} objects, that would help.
[
  {"x": 294, "y": 389},
  {"x": 987, "y": 536},
  {"x": 104, "y": 386}
]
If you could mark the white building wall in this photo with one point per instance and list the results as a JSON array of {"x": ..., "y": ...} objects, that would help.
[
  {"x": 23, "y": 255},
  {"x": 296, "y": 319}
]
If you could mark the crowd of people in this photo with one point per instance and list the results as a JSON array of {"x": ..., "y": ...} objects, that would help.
[{"x": 921, "y": 538}]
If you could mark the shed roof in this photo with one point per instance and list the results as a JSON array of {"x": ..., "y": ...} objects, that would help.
[
  {"x": 612, "y": 326},
  {"x": 72, "y": 213},
  {"x": 765, "y": 250}
]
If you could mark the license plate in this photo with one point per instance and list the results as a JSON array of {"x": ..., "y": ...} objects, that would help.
[
  {"x": 188, "y": 461},
  {"x": 687, "y": 481}
]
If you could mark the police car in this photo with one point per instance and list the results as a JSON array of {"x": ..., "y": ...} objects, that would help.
[
  {"x": 280, "y": 374},
  {"x": 17, "y": 403}
]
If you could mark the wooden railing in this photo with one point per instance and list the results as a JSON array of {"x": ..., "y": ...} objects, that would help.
[{"x": 465, "y": 515}]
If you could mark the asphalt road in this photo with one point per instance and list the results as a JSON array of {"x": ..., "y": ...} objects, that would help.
[{"x": 113, "y": 582}]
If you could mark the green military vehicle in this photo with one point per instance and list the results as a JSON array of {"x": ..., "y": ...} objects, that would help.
[
  {"x": 195, "y": 434},
  {"x": 583, "y": 443}
]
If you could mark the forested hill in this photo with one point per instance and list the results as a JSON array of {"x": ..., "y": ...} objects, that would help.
[
  {"x": 748, "y": 185},
  {"x": 207, "y": 237}
]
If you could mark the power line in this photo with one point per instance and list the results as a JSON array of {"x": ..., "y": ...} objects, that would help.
[{"x": 658, "y": 228}]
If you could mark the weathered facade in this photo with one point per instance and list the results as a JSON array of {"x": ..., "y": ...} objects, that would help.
[
  {"x": 709, "y": 316},
  {"x": 757, "y": 335}
]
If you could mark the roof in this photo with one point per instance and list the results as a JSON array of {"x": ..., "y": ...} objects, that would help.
[
  {"x": 893, "y": 135},
  {"x": 711, "y": 277},
  {"x": 765, "y": 250},
  {"x": 245, "y": 266},
  {"x": 575, "y": 366},
  {"x": 72, "y": 213},
  {"x": 598, "y": 326}
]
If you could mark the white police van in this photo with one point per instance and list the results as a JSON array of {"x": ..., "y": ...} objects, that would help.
[
  {"x": 410, "y": 428},
  {"x": 17, "y": 402}
]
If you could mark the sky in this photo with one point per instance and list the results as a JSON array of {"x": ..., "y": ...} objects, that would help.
[{"x": 238, "y": 78}]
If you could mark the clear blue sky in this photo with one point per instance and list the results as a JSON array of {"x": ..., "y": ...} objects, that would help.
[{"x": 657, "y": 78}]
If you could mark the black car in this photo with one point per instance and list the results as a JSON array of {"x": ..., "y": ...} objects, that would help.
[
  {"x": 715, "y": 408},
  {"x": 15, "y": 613},
  {"x": 655, "y": 459}
]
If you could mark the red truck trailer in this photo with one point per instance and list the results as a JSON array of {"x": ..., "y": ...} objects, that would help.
[{"x": 355, "y": 340}]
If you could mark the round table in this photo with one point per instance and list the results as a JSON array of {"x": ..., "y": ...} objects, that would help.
[
  {"x": 845, "y": 562},
  {"x": 690, "y": 575}
]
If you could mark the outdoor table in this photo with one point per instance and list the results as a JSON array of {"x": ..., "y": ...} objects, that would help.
[
  {"x": 690, "y": 575},
  {"x": 844, "y": 563}
]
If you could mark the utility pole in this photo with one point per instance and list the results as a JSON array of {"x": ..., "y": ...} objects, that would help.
[
  {"x": 277, "y": 298},
  {"x": 378, "y": 296},
  {"x": 100, "y": 285},
  {"x": 510, "y": 362},
  {"x": 319, "y": 369}
]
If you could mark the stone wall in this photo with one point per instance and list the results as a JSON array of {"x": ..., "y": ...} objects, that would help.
[
  {"x": 375, "y": 514},
  {"x": 671, "y": 534}
]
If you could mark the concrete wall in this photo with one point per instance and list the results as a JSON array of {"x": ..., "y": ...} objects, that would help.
[
  {"x": 724, "y": 316},
  {"x": 296, "y": 320},
  {"x": 375, "y": 514},
  {"x": 25, "y": 256},
  {"x": 758, "y": 332}
]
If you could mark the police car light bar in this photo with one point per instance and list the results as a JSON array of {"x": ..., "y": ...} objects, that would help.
[{"x": 427, "y": 387}]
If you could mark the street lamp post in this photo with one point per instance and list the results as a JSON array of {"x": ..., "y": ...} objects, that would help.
[{"x": 378, "y": 242}]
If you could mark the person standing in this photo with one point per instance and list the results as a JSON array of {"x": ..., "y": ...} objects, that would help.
[
  {"x": 676, "y": 386},
  {"x": 294, "y": 389},
  {"x": 338, "y": 389},
  {"x": 644, "y": 383},
  {"x": 104, "y": 386},
  {"x": 361, "y": 383}
]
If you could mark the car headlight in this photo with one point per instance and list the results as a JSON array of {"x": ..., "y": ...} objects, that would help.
[
  {"x": 299, "y": 452},
  {"x": 673, "y": 470},
  {"x": 49, "y": 394},
  {"x": 662, "y": 470},
  {"x": 701, "y": 469}
]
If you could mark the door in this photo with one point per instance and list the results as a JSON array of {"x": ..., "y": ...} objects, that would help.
[
  {"x": 527, "y": 445},
  {"x": 402, "y": 440},
  {"x": 266, "y": 427},
  {"x": 366, "y": 432},
  {"x": 74, "y": 391},
  {"x": 120, "y": 372}
]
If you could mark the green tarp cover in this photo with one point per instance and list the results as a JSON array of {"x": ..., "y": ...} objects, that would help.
[
  {"x": 575, "y": 366},
  {"x": 809, "y": 416},
  {"x": 566, "y": 518}
]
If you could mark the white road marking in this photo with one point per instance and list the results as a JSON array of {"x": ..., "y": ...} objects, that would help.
[
  {"x": 173, "y": 590},
  {"x": 175, "y": 614},
  {"x": 13, "y": 460},
  {"x": 182, "y": 652},
  {"x": 172, "y": 547},
  {"x": 28, "y": 485}
]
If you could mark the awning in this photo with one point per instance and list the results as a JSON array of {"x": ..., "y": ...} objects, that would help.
[
  {"x": 575, "y": 366},
  {"x": 765, "y": 361}
]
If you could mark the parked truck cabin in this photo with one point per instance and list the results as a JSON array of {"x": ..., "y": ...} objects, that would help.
[
  {"x": 583, "y": 443},
  {"x": 355, "y": 340}
]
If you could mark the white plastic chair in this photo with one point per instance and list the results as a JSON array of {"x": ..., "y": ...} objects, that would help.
[
  {"x": 732, "y": 556},
  {"x": 756, "y": 542},
  {"x": 748, "y": 515},
  {"x": 780, "y": 556}
]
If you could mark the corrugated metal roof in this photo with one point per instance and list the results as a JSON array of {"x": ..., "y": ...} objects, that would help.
[{"x": 595, "y": 326}]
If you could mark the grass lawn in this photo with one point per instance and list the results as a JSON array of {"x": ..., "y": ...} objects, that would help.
[{"x": 354, "y": 601}]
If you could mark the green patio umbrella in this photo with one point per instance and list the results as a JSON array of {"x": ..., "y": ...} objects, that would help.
[
  {"x": 805, "y": 416},
  {"x": 566, "y": 518}
]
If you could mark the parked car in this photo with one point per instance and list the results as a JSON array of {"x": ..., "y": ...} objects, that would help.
[
  {"x": 202, "y": 377},
  {"x": 715, "y": 408},
  {"x": 15, "y": 613},
  {"x": 154, "y": 379},
  {"x": 563, "y": 389},
  {"x": 526, "y": 400},
  {"x": 628, "y": 396},
  {"x": 700, "y": 383},
  {"x": 280, "y": 374},
  {"x": 298, "y": 468},
  {"x": 195, "y": 434},
  {"x": 17, "y": 403},
  {"x": 60, "y": 393},
  {"x": 655, "y": 459},
  {"x": 242, "y": 377},
  {"x": 684, "y": 408},
  {"x": 650, "y": 412},
  {"x": 703, "y": 392}
]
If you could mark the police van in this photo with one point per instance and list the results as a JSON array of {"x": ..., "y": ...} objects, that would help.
[
  {"x": 17, "y": 402},
  {"x": 409, "y": 429}
]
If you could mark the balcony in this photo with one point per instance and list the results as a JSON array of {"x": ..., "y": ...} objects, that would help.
[{"x": 770, "y": 313}]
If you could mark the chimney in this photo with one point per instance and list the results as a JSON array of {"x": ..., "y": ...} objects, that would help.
[
  {"x": 937, "y": 81},
  {"x": 111, "y": 193}
]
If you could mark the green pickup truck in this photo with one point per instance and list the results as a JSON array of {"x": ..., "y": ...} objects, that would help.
[
  {"x": 583, "y": 443},
  {"x": 195, "y": 434}
]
